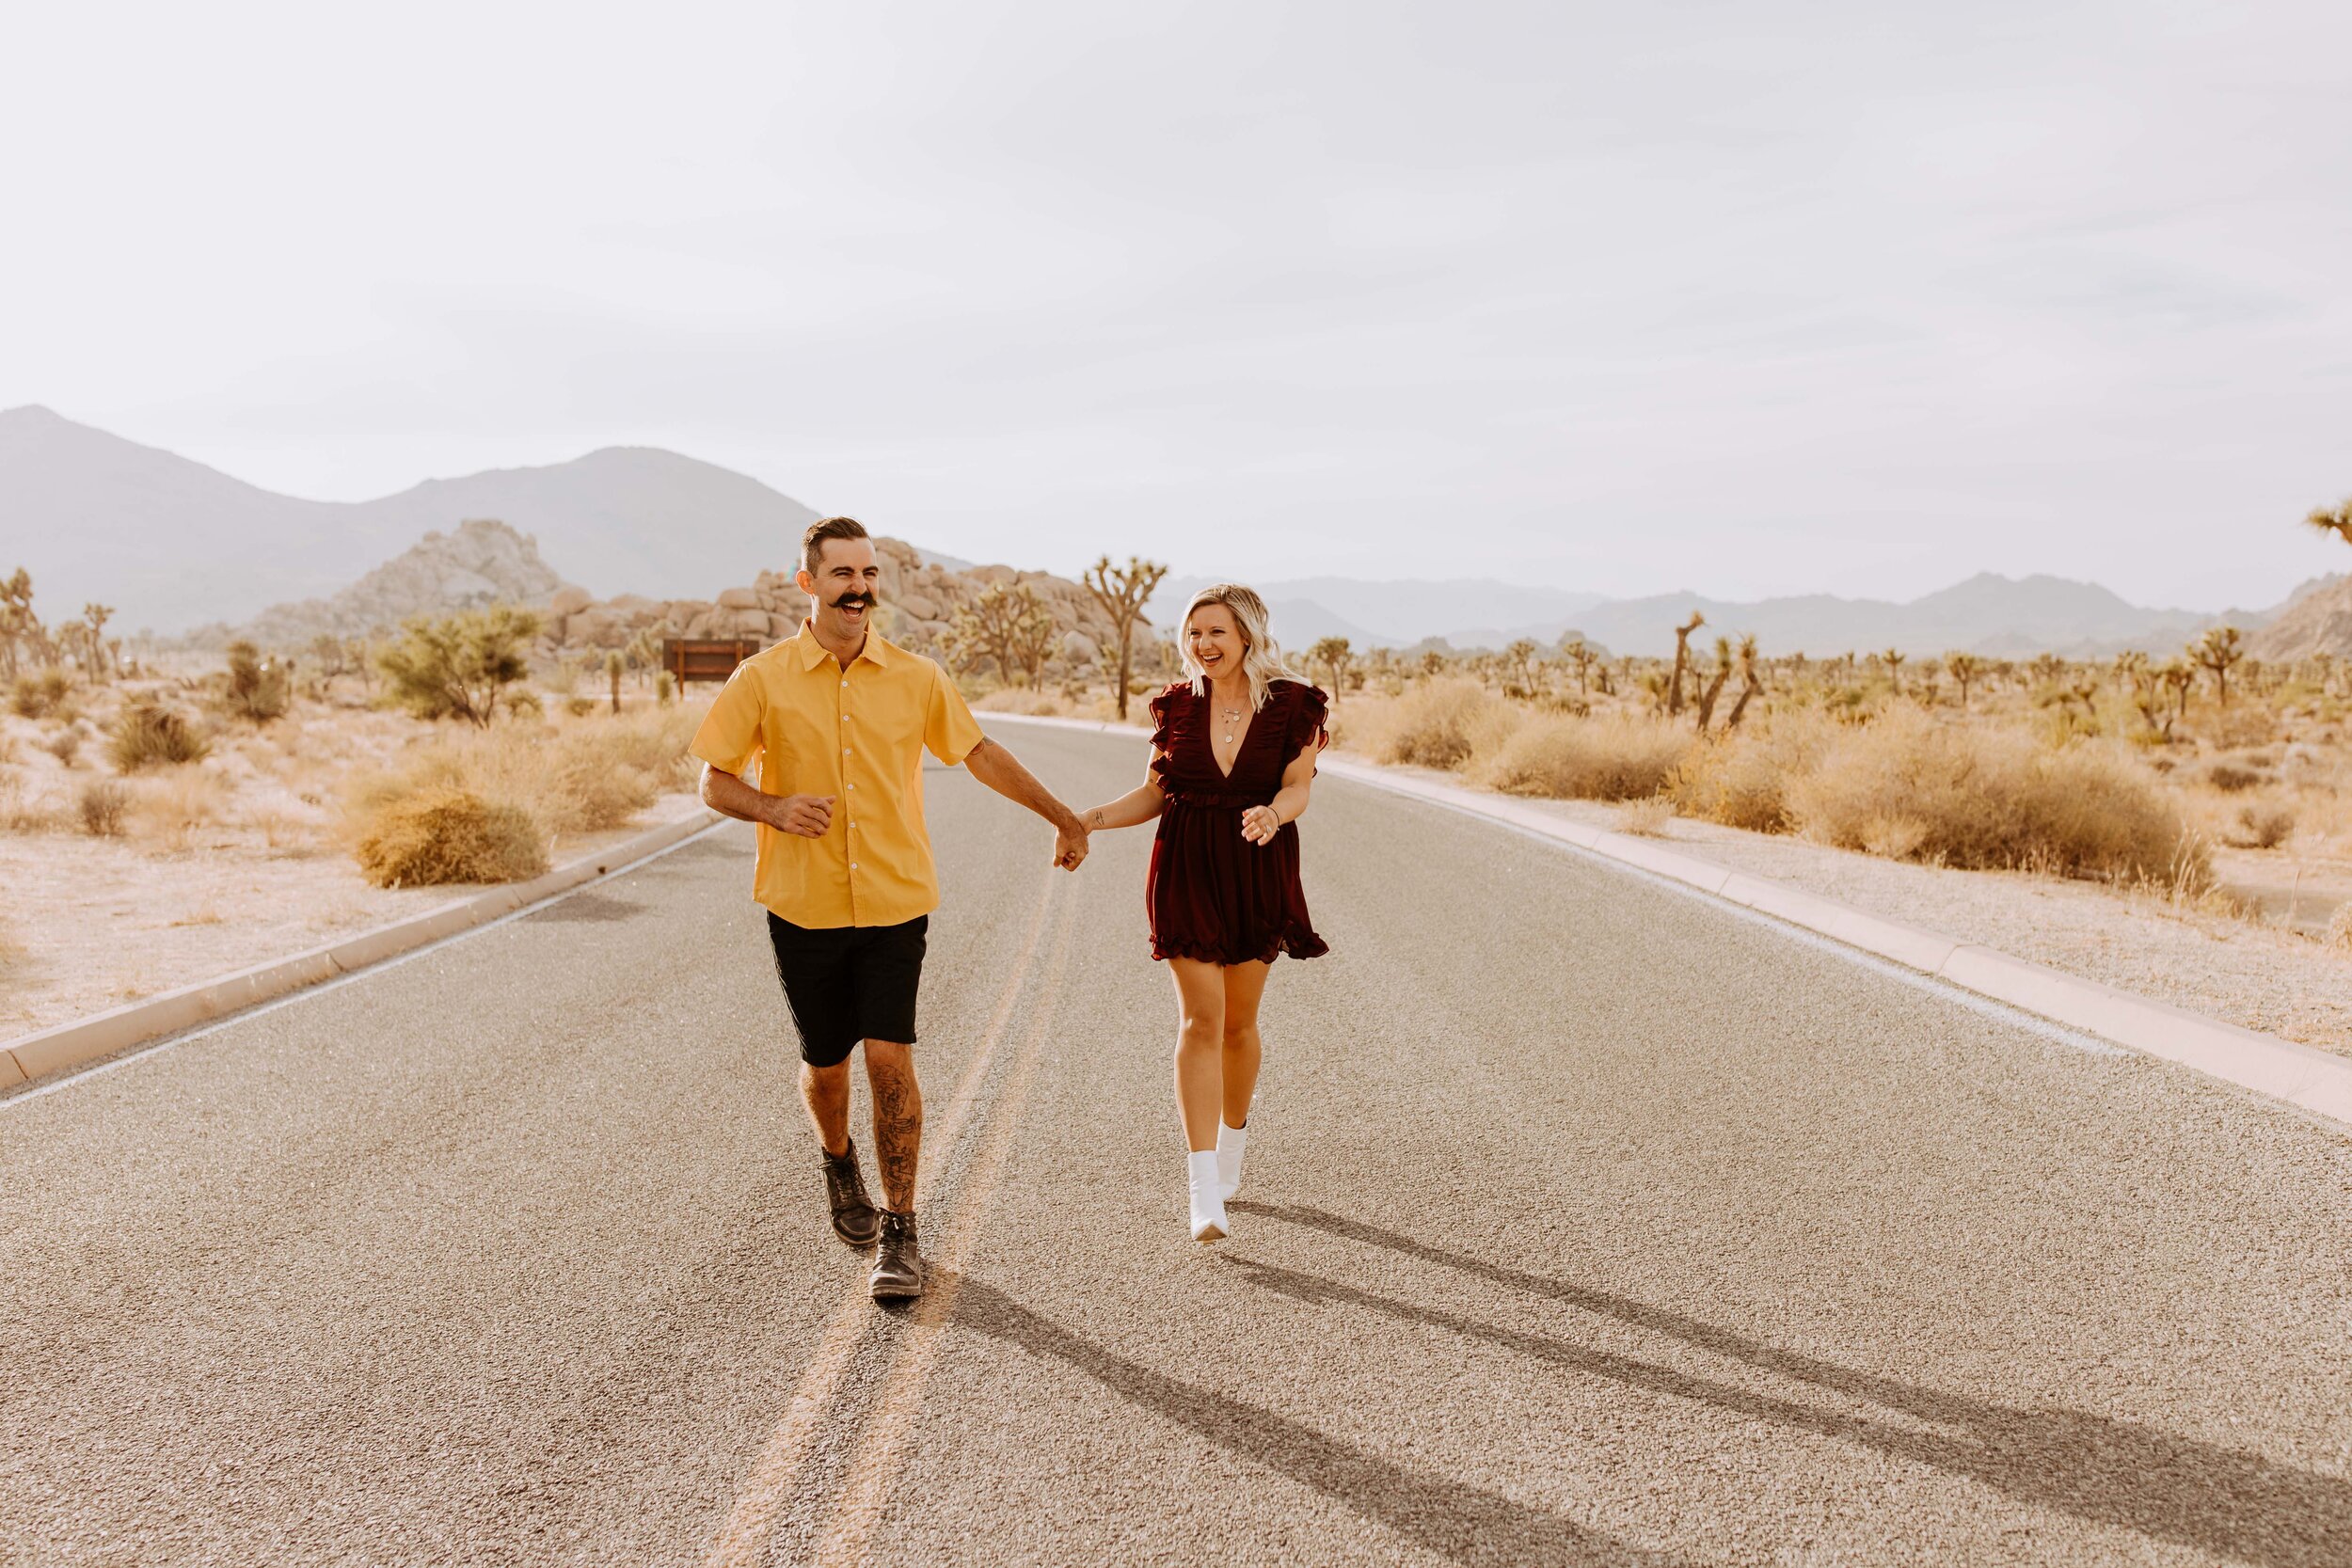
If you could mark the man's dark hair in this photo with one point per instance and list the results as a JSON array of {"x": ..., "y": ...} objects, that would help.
[{"x": 813, "y": 542}]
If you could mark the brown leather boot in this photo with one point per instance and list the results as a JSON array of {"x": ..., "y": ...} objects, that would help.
[
  {"x": 854, "y": 1218},
  {"x": 897, "y": 1261}
]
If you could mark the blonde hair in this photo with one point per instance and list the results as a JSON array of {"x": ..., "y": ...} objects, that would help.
[{"x": 1261, "y": 662}]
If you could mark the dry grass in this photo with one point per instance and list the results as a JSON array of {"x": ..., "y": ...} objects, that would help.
[
  {"x": 1646, "y": 818},
  {"x": 170, "y": 811},
  {"x": 1741, "y": 779},
  {"x": 1017, "y": 698},
  {"x": 2340, "y": 929},
  {"x": 580, "y": 777},
  {"x": 1619, "y": 757},
  {"x": 1911, "y": 788},
  {"x": 147, "y": 734},
  {"x": 1439, "y": 723},
  {"x": 437, "y": 836},
  {"x": 103, "y": 805}
]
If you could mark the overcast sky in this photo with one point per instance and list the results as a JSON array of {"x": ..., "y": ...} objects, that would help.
[{"x": 1744, "y": 298}]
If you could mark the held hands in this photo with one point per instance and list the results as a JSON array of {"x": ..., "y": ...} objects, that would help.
[
  {"x": 808, "y": 816},
  {"x": 1259, "y": 825},
  {"x": 1070, "y": 844}
]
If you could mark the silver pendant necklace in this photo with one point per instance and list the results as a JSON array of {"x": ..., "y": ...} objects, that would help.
[{"x": 1232, "y": 717}]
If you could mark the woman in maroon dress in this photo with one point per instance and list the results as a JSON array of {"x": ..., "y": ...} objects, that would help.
[{"x": 1233, "y": 755}]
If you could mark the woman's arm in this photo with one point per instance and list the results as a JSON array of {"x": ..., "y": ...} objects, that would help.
[
  {"x": 1259, "y": 824},
  {"x": 1139, "y": 805}
]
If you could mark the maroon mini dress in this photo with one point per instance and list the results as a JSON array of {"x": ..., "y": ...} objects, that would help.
[{"x": 1212, "y": 895}]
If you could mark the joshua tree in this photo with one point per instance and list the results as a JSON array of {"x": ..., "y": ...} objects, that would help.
[
  {"x": 2218, "y": 650},
  {"x": 1579, "y": 654},
  {"x": 1713, "y": 688},
  {"x": 1033, "y": 637},
  {"x": 2336, "y": 521},
  {"x": 989, "y": 628},
  {"x": 1122, "y": 591},
  {"x": 1963, "y": 669},
  {"x": 615, "y": 666},
  {"x": 1751, "y": 681},
  {"x": 1682, "y": 659},
  {"x": 20, "y": 628},
  {"x": 95, "y": 617},
  {"x": 1331, "y": 654},
  {"x": 2180, "y": 675},
  {"x": 1892, "y": 660}
]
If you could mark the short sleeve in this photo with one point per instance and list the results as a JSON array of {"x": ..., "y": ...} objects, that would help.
[
  {"x": 729, "y": 736},
  {"x": 950, "y": 730},
  {"x": 1164, "y": 709},
  {"x": 1309, "y": 709}
]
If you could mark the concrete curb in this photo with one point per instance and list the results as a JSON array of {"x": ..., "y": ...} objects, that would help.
[
  {"x": 67, "y": 1045},
  {"x": 2310, "y": 1079}
]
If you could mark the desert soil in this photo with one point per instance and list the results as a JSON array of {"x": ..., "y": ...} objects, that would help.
[
  {"x": 2251, "y": 973},
  {"x": 97, "y": 923}
]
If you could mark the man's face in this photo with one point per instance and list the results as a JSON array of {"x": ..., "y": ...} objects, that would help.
[{"x": 846, "y": 585}]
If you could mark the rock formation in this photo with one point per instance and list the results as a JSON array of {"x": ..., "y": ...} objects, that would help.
[
  {"x": 484, "y": 562},
  {"x": 919, "y": 600},
  {"x": 2316, "y": 621}
]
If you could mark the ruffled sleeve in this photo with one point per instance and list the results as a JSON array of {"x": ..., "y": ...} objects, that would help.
[
  {"x": 1166, "y": 710},
  {"x": 1309, "y": 708}
]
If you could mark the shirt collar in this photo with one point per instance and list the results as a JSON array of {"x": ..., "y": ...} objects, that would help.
[{"x": 813, "y": 652}]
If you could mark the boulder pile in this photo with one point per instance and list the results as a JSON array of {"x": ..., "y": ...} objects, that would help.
[{"x": 919, "y": 601}]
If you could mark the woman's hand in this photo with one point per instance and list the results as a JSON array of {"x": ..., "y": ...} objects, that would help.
[{"x": 1259, "y": 825}]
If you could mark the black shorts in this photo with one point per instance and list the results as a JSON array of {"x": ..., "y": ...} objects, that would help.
[{"x": 849, "y": 983}]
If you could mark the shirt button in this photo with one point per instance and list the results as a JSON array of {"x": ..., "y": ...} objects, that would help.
[
  {"x": 854, "y": 865},
  {"x": 845, "y": 751}
]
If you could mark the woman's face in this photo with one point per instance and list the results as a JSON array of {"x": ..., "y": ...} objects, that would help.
[{"x": 1214, "y": 639}]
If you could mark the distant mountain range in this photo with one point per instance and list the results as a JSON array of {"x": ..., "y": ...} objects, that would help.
[
  {"x": 171, "y": 543},
  {"x": 1987, "y": 614}
]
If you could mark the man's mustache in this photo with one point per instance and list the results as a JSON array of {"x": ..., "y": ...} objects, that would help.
[{"x": 859, "y": 596}]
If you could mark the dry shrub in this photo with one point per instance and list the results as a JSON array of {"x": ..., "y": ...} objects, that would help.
[
  {"x": 2230, "y": 777},
  {"x": 2263, "y": 825},
  {"x": 1986, "y": 798},
  {"x": 172, "y": 808},
  {"x": 1437, "y": 724},
  {"x": 1646, "y": 818},
  {"x": 2340, "y": 929},
  {"x": 585, "y": 776},
  {"x": 103, "y": 805},
  {"x": 65, "y": 746},
  {"x": 449, "y": 835},
  {"x": 1741, "y": 779},
  {"x": 22, "y": 812},
  {"x": 148, "y": 735},
  {"x": 1015, "y": 699},
  {"x": 1619, "y": 757}
]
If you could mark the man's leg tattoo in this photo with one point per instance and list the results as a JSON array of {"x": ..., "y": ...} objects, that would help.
[{"x": 898, "y": 1126}]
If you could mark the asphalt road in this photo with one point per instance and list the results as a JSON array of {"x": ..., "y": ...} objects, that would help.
[{"x": 1584, "y": 1221}]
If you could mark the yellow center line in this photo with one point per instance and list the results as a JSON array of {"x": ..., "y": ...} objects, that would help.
[
  {"x": 876, "y": 1462},
  {"x": 784, "y": 1454}
]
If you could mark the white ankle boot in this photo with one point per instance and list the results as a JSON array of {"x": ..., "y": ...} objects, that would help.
[
  {"x": 1229, "y": 1143},
  {"x": 1208, "y": 1208}
]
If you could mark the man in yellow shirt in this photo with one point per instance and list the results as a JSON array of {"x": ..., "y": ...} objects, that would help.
[{"x": 837, "y": 718}]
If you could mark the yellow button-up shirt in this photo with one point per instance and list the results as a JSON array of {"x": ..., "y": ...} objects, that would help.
[{"x": 855, "y": 734}]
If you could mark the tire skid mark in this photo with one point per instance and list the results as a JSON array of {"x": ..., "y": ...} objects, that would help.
[
  {"x": 875, "y": 1462},
  {"x": 743, "y": 1539}
]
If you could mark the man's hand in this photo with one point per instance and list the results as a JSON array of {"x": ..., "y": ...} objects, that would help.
[
  {"x": 1070, "y": 845},
  {"x": 809, "y": 815}
]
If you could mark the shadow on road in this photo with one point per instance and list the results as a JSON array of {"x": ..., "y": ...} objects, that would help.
[
  {"x": 2176, "y": 1489},
  {"x": 1460, "y": 1523},
  {"x": 587, "y": 909}
]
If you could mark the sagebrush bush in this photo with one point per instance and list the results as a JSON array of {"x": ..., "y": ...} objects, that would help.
[
  {"x": 258, "y": 689},
  {"x": 1619, "y": 757},
  {"x": 1977, "y": 799},
  {"x": 449, "y": 835},
  {"x": 2264, "y": 824},
  {"x": 1741, "y": 779},
  {"x": 1437, "y": 724},
  {"x": 103, "y": 804},
  {"x": 147, "y": 734}
]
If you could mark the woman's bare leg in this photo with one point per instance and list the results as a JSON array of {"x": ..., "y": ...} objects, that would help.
[
  {"x": 1244, "y": 985},
  {"x": 1199, "y": 1048}
]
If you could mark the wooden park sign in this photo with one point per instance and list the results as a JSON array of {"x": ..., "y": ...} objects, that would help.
[{"x": 704, "y": 658}]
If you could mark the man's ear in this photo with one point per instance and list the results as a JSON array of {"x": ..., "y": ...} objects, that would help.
[{"x": 806, "y": 583}]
